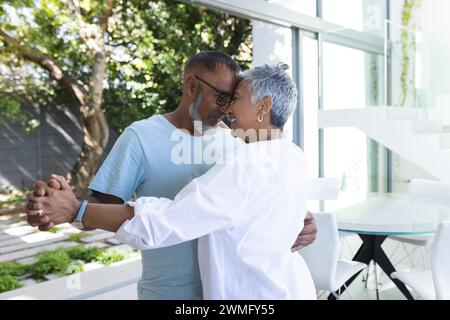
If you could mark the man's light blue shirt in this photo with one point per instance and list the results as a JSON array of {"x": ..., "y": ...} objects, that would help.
[{"x": 154, "y": 158}]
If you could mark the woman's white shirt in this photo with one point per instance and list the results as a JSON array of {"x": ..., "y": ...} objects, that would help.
[{"x": 247, "y": 211}]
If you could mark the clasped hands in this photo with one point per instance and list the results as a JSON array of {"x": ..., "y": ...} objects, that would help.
[{"x": 51, "y": 204}]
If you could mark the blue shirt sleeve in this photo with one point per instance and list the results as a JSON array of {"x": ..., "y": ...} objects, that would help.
[{"x": 123, "y": 169}]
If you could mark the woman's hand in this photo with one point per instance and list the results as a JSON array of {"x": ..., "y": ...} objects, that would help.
[{"x": 59, "y": 206}]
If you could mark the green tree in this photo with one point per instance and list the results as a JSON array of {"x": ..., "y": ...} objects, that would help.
[{"x": 118, "y": 61}]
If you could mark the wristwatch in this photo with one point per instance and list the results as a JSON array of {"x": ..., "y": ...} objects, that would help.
[{"x": 78, "y": 222}]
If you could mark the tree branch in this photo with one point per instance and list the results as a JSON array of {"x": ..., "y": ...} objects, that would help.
[
  {"x": 104, "y": 16},
  {"x": 49, "y": 64}
]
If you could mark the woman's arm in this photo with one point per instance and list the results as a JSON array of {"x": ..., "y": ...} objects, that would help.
[
  {"x": 212, "y": 202},
  {"x": 208, "y": 203}
]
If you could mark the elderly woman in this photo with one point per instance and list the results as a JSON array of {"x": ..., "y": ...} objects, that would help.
[{"x": 246, "y": 210}]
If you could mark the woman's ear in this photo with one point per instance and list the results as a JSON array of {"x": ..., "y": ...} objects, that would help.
[
  {"x": 266, "y": 105},
  {"x": 190, "y": 86}
]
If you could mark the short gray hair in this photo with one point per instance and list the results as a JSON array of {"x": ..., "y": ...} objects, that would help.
[{"x": 274, "y": 82}]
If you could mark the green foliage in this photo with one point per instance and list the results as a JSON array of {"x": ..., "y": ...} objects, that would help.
[
  {"x": 148, "y": 43},
  {"x": 11, "y": 109},
  {"x": 13, "y": 269},
  {"x": 12, "y": 200},
  {"x": 408, "y": 44},
  {"x": 108, "y": 257},
  {"x": 84, "y": 254},
  {"x": 55, "y": 229},
  {"x": 51, "y": 261},
  {"x": 156, "y": 39},
  {"x": 8, "y": 282},
  {"x": 62, "y": 260},
  {"x": 76, "y": 237},
  {"x": 75, "y": 267}
]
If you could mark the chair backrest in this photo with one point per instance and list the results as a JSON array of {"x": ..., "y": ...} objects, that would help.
[
  {"x": 429, "y": 192},
  {"x": 441, "y": 261},
  {"x": 321, "y": 256},
  {"x": 322, "y": 188}
]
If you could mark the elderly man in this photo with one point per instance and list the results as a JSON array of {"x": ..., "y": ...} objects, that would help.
[{"x": 142, "y": 162}]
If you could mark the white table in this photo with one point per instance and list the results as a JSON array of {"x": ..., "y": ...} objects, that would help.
[{"x": 378, "y": 215}]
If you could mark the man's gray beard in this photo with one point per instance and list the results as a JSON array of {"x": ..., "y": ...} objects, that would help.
[{"x": 199, "y": 127}]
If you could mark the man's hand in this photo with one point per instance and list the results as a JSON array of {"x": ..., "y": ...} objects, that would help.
[
  {"x": 47, "y": 206},
  {"x": 39, "y": 220},
  {"x": 308, "y": 233}
]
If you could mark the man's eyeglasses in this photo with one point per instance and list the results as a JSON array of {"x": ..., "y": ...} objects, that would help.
[{"x": 223, "y": 99}]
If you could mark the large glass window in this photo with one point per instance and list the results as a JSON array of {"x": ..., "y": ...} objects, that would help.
[
  {"x": 357, "y": 161},
  {"x": 346, "y": 158},
  {"x": 310, "y": 105},
  {"x": 361, "y": 15},
  {"x": 351, "y": 78}
]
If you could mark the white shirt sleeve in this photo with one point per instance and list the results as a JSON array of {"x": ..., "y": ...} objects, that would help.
[{"x": 209, "y": 203}]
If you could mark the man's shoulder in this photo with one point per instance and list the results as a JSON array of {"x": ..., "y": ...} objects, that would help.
[
  {"x": 150, "y": 123},
  {"x": 154, "y": 127},
  {"x": 139, "y": 132}
]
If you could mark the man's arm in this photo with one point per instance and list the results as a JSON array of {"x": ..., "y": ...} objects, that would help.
[
  {"x": 308, "y": 233},
  {"x": 99, "y": 197}
]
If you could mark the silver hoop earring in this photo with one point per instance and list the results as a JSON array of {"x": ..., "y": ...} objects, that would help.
[{"x": 260, "y": 119}]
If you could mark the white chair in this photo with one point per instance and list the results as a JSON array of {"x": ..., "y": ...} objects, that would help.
[
  {"x": 432, "y": 284},
  {"x": 327, "y": 189},
  {"x": 425, "y": 192},
  {"x": 329, "y": 273}
]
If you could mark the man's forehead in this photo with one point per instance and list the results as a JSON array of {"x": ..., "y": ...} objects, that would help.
[
  {"x": 222, "y": 78},
  {"x": 242, "y": 87}
]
